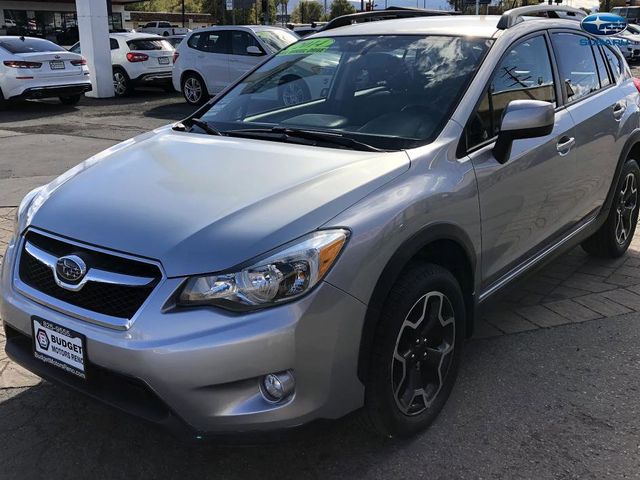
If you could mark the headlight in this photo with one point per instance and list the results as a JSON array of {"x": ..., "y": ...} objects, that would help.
[
  {"x": 19, "y": 222},
  {"x": 287, "y": 274}
]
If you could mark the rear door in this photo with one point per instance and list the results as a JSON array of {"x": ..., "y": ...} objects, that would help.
[
  {"x": 212, "y": 59},
  {"x": 240, "y": 61},
  {"x": 521, "y": 201},
  {"x": 598, "y": 108}
]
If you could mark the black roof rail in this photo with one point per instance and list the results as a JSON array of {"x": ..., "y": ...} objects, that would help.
[
  {"x": 390, "y": 13},
  {"x": 514, "y": 16}
]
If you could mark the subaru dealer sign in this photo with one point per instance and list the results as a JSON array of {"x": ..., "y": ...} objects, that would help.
[{"x": 604, "y": 24}]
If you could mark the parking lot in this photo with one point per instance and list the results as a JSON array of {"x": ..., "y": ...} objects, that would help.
[{"x": 548, "y": 387}]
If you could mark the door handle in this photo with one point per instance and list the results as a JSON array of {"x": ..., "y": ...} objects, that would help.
[
  {"x": 564, "y": 145},
  {"x": 619, "y": 109}
]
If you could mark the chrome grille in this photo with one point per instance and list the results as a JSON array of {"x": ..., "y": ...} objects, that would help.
[{"x": 114, "y": 286}]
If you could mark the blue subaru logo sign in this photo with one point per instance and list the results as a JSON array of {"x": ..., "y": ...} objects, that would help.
[{"x": 603, "y": 24}]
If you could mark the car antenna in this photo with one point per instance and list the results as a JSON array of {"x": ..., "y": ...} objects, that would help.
[{"x": 22, "y": 38}]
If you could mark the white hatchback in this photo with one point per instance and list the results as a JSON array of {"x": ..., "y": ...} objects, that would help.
[
  {"x": 139, "y": 59},
  {"x": 37, "y": 68},
  {"x": 208, "y": 60}
]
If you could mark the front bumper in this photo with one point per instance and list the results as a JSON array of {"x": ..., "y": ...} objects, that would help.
[
  {"x": 200, "y": 368},
  {"x": 53, "y": 91}
]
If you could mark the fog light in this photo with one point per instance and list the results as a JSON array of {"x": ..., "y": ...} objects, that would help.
[{"x": 277, "y": 386}]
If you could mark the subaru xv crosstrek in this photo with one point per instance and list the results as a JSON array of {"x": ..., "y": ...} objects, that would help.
[{"x": 261, "y": 265}]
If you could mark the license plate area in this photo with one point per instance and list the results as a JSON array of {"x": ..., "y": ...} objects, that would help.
[
  {"x": 59, "y": 347},
  {"x": 163, "y": 60},
  {"x": 56, "y": 65}
]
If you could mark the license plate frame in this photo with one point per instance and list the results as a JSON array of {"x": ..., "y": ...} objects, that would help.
[
  {"x": 59, "y": 347},
  {"x": 164, "y": 60},
  {"x": 56, "y": 65}
]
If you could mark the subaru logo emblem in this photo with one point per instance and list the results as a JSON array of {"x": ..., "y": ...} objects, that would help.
[
  {"x": 71, "y": 268},
  {"x": 603, "y": 24},
  {"x": 57, "y": 57}
]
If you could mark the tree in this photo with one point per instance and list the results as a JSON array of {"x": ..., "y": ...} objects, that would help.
[
  {"x": 195, "y": 6},
  {"x": 339, "y": 8},
  {"x": 307, "y": 11}
]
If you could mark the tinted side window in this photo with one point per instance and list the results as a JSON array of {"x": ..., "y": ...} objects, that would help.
[
  {"x": 194, "y": 41},
  {"x": 214, "y": 42},
  {"x": 576, "y": 64},
  {"x": 524, "y": 73},
  {"x": 164, "y": 25},
  {"x": 114, "y": 44},
  {"x": 614, "y": 63},
  {"x": 240, "y": 41},
  {"x": 602, "y": 69}
]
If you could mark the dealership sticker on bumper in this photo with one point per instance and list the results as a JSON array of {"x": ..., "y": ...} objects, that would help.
[{"x": 59, "y": 346}]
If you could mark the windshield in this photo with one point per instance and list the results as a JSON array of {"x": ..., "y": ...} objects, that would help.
[
  {"x": 390, "y": 92},
  {"x": 276, "y": 40}
]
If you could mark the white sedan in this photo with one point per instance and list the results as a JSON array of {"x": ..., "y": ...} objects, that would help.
[{"x": 36, "y": 68}]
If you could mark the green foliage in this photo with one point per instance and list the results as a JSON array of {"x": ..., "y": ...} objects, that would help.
[
  {"x": 195, "y": 6},
  {"x": 307, "y": 11},
  {"x": 339, "y": 8}
]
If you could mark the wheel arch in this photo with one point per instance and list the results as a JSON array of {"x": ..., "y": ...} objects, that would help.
[
  {"x": 631, "y": 149},
  {"x": 443, "y": 244},
  {"x": 191, "y": 71}
]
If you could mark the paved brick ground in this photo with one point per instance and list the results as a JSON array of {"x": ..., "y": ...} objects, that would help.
[{"x": 573, "y": 288}]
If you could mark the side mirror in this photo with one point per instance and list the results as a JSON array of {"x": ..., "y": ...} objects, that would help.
[
  {"x": 523, "y": 119},
  {"x": 253, "y": 50}
]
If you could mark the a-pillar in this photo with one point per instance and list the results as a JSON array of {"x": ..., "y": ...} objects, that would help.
[{"x": 93, "y": 25}]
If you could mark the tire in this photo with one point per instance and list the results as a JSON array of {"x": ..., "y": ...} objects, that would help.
[
  {"x": 614, "y": 237},
  {"x": 70, "y": 100},
  {"x": 293, "y": 90},
  {"x": 401, "y": 333},
  {"x": 121, "y": 83},
  {"x": 194, "y": 89},
  {"x": 3, "y": 102},
  {"x": 165, "y": 34}
]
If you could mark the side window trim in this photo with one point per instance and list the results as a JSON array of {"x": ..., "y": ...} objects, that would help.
[{"x": 463, "y": 148}]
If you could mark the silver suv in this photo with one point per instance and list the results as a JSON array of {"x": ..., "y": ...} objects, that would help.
[{"x": 266, "y": 263}]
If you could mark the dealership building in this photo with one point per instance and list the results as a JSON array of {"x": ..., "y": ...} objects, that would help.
[{"x": 46, "y": 18}]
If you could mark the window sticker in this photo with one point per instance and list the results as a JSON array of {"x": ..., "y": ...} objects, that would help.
[{"x": 315, "y": 45}]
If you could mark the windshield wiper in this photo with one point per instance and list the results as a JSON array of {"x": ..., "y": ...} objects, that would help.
[
  {"x": 201, "y": 124},
  {"x": 313, "y": 135}
]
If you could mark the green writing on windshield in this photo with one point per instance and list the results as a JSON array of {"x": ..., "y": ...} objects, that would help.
[{"x": 315, "y": 45}]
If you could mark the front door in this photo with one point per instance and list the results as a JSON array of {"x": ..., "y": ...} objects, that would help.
[{"x": 240, "y": 61}]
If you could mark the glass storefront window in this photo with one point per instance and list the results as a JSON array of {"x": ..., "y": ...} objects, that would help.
[{"x": 60, "y": 27}]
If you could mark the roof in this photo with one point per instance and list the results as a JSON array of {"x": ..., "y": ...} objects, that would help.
[
  {"x": 483, "y": 26},
  {"x": 133, "y": 35},
  {"x": 255, "y": 28}
]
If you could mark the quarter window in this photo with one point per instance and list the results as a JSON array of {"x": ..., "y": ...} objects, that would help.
[
  {"x": 614, "y": 63},
  {"x": 114, "y": 44},
  {"x": 523, "y": 74},
  {"x": 577, "y": 65},
  {"x": 194, "y": 40}
]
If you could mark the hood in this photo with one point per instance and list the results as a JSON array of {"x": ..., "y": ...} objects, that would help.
[{"x": 202, "y": 204}]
